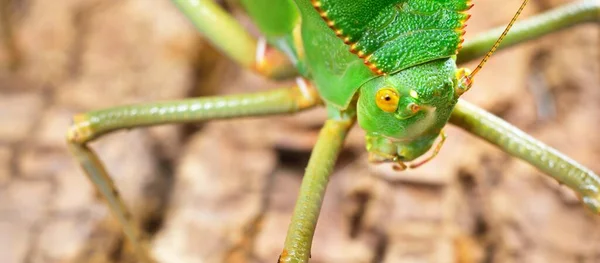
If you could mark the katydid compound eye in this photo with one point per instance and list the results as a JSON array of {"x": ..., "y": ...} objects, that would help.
[{"x": 387, "y": 99}]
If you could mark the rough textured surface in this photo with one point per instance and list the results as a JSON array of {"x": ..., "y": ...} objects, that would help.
[{"x": 224, "y": 191}]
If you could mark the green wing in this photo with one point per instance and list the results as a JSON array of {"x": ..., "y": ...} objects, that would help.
[
  {"x": 336, "y": 73},
  {"x": 391, "y": 35},
  {"x": 275, "y": 18}
]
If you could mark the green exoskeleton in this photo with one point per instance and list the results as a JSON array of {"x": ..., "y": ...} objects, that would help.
[
  {"x": 398, "y": 62},
  {"x": 389, "y": 65}
]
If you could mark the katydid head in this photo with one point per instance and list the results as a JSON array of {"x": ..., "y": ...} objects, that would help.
[{"x": 403, "y": 113}]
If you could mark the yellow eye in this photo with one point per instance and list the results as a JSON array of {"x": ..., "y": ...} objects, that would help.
[{"x": 387, "y": 99}]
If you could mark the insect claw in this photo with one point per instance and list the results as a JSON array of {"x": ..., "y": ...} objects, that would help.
[{"x": 399, "y": 166}]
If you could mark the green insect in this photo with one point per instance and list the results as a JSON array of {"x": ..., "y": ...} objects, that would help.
[{"x": 389, "y": 65}]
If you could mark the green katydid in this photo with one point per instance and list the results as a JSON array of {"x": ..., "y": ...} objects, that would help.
[{"x": 388, "y": 65}]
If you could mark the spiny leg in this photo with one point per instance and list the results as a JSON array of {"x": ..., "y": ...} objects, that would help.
[
  {"x": 92, "y": 125},
  {"x": 230, "y": 37},
  {"x": 532, "y": 28},
  {"x": 300, "y": 233},
  {"x": 519, "y": 144}
]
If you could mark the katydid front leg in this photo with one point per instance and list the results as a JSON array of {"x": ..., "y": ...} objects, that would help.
[
  {"x": 300, "y": 233},
  {"x": 230, "y": 37},
  {"x": 519, "y": 144},
  {"x": 92, "y": 125}
]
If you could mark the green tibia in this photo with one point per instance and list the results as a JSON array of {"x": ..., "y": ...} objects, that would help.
[{"x": 404, "y": 134}]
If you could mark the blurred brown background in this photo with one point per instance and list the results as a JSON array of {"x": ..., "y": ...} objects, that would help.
[{"x": 224, "y": 191}]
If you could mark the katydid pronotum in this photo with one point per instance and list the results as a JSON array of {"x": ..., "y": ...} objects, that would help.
[{"x": 390, "y": 66}]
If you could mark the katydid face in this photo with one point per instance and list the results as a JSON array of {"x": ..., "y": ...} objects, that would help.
[{"x": 403, "y": 113}]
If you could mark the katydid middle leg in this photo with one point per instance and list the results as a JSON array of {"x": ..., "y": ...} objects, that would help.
[{"x": 92, "y": 125}]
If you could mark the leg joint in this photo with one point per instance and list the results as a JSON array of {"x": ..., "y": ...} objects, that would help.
[{"x": 80, "y": 131}]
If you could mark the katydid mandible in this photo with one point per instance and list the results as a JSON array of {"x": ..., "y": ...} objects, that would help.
[{"x": 388, "y": 65}]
